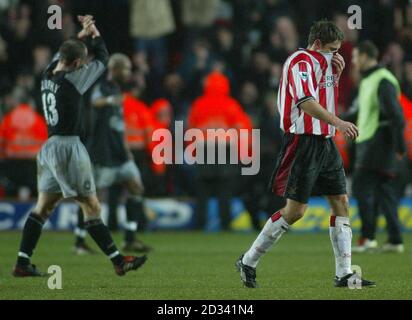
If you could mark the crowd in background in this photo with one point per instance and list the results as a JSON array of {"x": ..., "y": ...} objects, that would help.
[{"x": 174, "y": 45}]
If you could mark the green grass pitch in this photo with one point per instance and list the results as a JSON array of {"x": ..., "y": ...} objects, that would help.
[{"x": 189, "y": 265}]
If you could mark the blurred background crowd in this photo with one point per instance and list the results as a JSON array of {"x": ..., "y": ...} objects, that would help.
[{"x": 174, "y": 45}]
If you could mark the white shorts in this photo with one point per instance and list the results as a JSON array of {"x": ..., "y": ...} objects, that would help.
[
  {"x": 107, "y": 176},
  {"x": 63, "y": 166}
]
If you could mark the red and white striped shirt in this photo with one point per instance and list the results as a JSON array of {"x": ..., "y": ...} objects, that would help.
[{"x": 307, "y": 75}]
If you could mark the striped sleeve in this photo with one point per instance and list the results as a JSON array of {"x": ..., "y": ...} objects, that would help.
[{"x": 302, "y": 82}]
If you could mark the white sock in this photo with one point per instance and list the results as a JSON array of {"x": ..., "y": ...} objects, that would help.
[
  {"x": 131, "y": 226},
  {"x": 271, "y": 232},
  {"x": 341, "y": 237},
  {"x": 80, "y": 232}
]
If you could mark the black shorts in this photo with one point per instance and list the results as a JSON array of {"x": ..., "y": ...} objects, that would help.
[{"x": 308, "y": 165}]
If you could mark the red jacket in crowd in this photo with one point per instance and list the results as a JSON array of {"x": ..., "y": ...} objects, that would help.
[
  {"x": 22, "y": 133},
  {"x": 216, "y": 109},
  {"x": 139, "y": 123},
  {"x": 162, "y": 114}
]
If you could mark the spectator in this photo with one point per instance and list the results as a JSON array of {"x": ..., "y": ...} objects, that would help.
[
  {"x": 393, "y": 58},
  {"x": 380, "y": 147},
  {"x": 199, "y": 13},
  {"x": 215, "y": 109},
  {"x": 227, "y": 49},
  {"x": 139, "y": 128},
  {"x": 197, "y": 17},
  {"x": 150, "y": 22},
  {"x": 196, "y": 65},
  {"x": 249, "y": 96},
  {"x": 174, "y": 92},
  {"x": 283, "y": 39},
  {"x": 22, "y": 132},
  {"x": 258, "y": 71},
  {"x": 406, "y": 102},
  {"x": 5, "y": 80},
  {"x": 162, "y": 113},
  {"x": 18, "y": 36},
  {"x": 346, "y": 84}
]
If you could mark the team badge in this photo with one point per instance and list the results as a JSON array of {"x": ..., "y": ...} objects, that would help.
[{"x": 303, "y": 75}]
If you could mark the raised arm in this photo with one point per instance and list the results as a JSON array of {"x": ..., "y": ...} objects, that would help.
[{"x": 86, "y": 76}]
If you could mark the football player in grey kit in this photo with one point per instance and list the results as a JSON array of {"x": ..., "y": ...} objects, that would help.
[
  {"x": 112, "y": 160},
  {"x": 64, "y": 167}
]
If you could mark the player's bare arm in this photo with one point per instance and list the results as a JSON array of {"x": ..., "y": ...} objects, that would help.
[{"x": 315, "y": 110}]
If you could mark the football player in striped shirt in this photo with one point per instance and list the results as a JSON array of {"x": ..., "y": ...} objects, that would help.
[{"x": 309, "y": 162}]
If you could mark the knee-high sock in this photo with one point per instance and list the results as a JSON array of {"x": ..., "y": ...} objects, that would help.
[
  {"x": 80, "y": 231},
  {"x": 101, "y": 235},
  {"x": 271, "y": 232},
  {"x": 31, "y": 234},
  {"x": 134, "y": 207},
  {"x": 341, "y": 237}
]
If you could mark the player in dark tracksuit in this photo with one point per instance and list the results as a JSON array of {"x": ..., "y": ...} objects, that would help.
[
  {"x": 64, "y": 167},
  {"x": 112, "y": 160},
  {"x": 380, "y": 148}
]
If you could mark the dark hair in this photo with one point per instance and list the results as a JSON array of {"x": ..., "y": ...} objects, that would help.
[
  {"x": 71, "y": 50},
  {"x": 369, "y": 48},
  {"x": 326, "y": 31}
]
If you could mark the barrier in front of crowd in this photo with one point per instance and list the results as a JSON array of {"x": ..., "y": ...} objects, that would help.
[{"x": 174, "y": 214}]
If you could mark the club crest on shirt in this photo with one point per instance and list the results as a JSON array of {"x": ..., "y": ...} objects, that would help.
[{"x": 303, "y": 75}]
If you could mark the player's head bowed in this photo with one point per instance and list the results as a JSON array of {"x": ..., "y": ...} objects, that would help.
[{"x": 325, "y": 36}]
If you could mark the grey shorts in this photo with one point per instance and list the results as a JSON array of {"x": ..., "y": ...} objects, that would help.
[
  {"x": 63, "y": 166},
  {"x": 107, "y": 176}
]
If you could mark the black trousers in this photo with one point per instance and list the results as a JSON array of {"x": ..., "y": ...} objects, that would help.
[
  {"x": 214, "y": 180},
  {"x": 256, "y": 193},
  {"x": 377, "y": 193},
  {"x": 19, "y": 173},
  {"x": 154, "y": 185}
]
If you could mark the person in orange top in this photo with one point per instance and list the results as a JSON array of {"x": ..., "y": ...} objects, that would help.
[
  {"x": 406, "y": 104},
  {"x": 343, "y": 148},
  {"x": 215, "y": 109},
  {"x": 139, "y": 123},
  {"x": 162, "y": 117},
  {"x": 22, "y": 133},
  {"x": 162, "y": 114},
  {"x": 138, "y": 134},
  {"x": 139, "y": 128}
]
